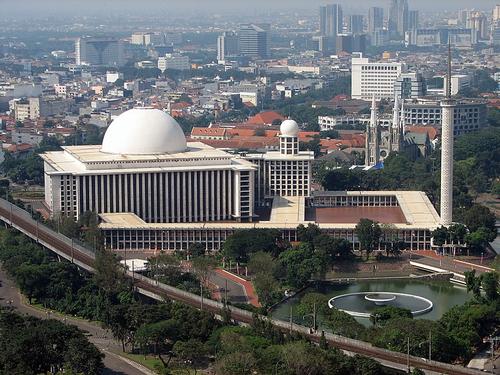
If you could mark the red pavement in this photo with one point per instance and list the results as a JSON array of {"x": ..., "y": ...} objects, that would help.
[{"x": 247, "y": 285}]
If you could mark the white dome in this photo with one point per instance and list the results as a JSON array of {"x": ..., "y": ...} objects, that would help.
[
  {"x": 289, "y": 128},
  {"x": 141, "y": 131}
]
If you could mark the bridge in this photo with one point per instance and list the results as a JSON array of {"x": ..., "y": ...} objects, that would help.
[{"x": 74, "y": 252}]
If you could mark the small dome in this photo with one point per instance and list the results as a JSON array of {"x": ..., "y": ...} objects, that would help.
[
  {"x": 144, "y": 131},
  {"x": 289, "y": 128}
]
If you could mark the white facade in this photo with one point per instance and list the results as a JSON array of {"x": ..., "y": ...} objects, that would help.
[
  {"x": 178, "y": 183},
  {"x": 287, "y": 172},
  {"x": 377, "y": 79},
  {"x": 174, "y": 62}
]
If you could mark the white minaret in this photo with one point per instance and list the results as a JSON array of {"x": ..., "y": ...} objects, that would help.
[{"x": 448, "y": 109}]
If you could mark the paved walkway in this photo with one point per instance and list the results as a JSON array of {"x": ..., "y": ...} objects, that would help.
[
  {"x": 114, "y": 364},
  {"x": 247, "y": 286},
  {"x": 448, "y": 263}
]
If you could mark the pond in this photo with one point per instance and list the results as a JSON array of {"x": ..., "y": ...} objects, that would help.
[{"x": 443, "y": 296}]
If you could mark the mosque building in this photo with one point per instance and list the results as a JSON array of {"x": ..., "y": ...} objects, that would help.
[{"x": 154, "y": 191}]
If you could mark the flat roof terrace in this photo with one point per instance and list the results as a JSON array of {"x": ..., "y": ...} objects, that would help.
[{"x": 352, "y": 215}]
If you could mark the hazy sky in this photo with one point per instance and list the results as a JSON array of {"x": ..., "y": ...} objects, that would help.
[{"x": 43, "y": 7}]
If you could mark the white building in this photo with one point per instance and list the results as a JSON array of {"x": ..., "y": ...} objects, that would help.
[
  {"x": 155, "y": 191},
  {"x": 459, "y": 82},
  {"x": 145, "y": 167},
  {"x": 377, "y": 79},
  {"x": 286, "y": 172},
  {"x": 174, "y": 62}
]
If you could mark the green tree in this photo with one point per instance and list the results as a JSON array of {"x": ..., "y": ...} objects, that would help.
[
  {"x": 489, "y": 282},
  {"x": 196, "y": 249},
  {"x": 242, "y": 243},
  {"x": 385, "y": 313},
  {"x": 473, "y": 283},
  {"x": 368, "y": 232}
]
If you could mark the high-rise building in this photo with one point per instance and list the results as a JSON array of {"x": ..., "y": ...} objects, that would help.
[
  {"x": 478, "y": 23},
  {"x": 496, "y": 14},
  {"x": 374, "y": 79},
  {"x": 409, "y": 85},
  {"x": 253, "y": 40},
  {"x": 375, "y": 19},
  {"x": 413, "y": 20},
  {"x": 147, "y": 39},
  {"x": 227, "y": 45},
  {"x": 355, "y": 23},
  {"x": 100, "y": 51},
  {"x": 398, "y": 18},
  {"x": 331, "y": 21}
]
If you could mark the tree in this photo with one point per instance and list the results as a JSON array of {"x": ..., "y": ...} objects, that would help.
[
  {"x": 196, "y": 249},
  {"x": 190, "y": 351},
  {"x": 489, "y": 282},
  {"x": 242, "y": 243},
  {"x": 203, "y": 267},
  {"x": 309, "y": 233},
  {"x": 108, "y": 273},
  {"x": 385, "y": 313},
  {"x": 473, "y": 283},
  {"x": 368, "y": 232},
  {"x": 237, "y": 363},
  {"x": 261, "y": 262},
  {"x": 344, "y": 324}
]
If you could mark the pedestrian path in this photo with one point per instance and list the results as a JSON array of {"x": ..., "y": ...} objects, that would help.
[{"x": 247, "y": 285}]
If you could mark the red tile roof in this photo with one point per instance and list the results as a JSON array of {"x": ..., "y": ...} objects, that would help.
[{"x": 265, "y": 118}]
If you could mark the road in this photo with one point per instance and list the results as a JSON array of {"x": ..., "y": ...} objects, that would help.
[
  {"x": 84, "y": 258},
  {"x": 101, "y": 338}
]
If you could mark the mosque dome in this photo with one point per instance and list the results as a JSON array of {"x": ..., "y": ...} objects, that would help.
[
  {"x": 289, "y": 128},
  {"x": 144, "y": 131}
]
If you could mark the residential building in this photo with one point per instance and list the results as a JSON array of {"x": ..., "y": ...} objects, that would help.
[{"x": 397, "y": 22}]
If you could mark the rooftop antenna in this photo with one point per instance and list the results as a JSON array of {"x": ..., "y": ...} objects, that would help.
[{"x": 448, "y": 73}]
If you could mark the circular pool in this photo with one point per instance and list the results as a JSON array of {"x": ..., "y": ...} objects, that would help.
[{"x": 363, "y": 304}]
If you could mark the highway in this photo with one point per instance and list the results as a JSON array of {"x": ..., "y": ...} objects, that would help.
[{"x": 84, "y": 258}]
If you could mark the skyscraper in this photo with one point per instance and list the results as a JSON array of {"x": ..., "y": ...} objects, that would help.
[
  {"x": 227, "y": 45},
  {"x": 330, "y": 20},
  {"x": 254, "y": 40},
  {"x": 375, "y": 19},
  {"x": 413, "y": 20},
  {"x": 99, "y": 51},
  {"x": 355, "y": 23},
  {"x": 398, "y": 18}
]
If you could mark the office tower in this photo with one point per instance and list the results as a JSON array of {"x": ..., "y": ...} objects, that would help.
[
  {"x": 409, "y": 86},
  {"x": 375, "y": 19},
  {"x": 227, "y": 45},
  {"x": 448, "y": 109},
  {"x": 398, "y": 18},
  {"x": 377, "y": 79},
  {"x": 463, "y": 15},
  {"x": 253, "y": 40},
  {"x": 100, "y": 51},
  {"x": 355, "y": 24},
  {"x": 147, "y": 39},
  {"x": 413, "y": 20},
  {"x": 330, "y": 20},
  {"x": 478, "y": 23},
  {"x": 496, "y": 14}
]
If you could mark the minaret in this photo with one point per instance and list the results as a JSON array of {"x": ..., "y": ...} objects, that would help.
[
  {"x": 448, "y": 109},
  {"x": 394, "y": 138}
]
